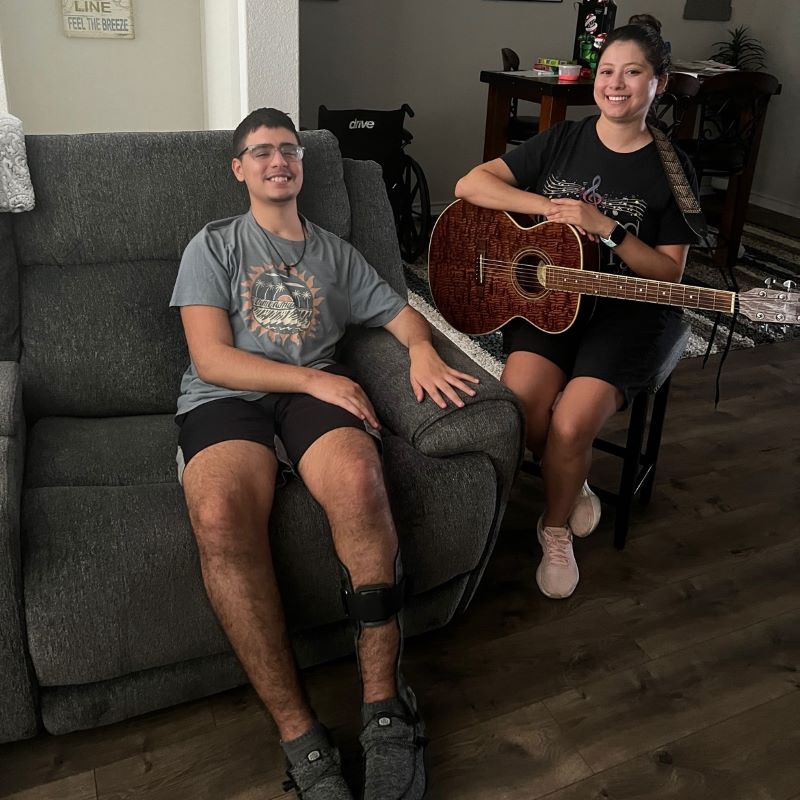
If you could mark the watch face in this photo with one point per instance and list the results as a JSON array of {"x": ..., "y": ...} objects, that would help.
[{"x": 616, "y": 237}]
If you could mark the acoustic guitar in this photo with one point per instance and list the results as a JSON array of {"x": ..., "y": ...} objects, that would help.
[{"x": 488, "y": 267}]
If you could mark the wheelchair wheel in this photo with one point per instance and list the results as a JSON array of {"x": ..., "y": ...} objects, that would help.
[{"x": 412, "y": 207}]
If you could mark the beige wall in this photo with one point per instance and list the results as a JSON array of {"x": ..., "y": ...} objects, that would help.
[
  {"x": 429, "y": 53},
  {"x": 57, "y": 84}
]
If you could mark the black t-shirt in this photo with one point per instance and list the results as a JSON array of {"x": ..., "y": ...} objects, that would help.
[{"x": 569, "y": 160}]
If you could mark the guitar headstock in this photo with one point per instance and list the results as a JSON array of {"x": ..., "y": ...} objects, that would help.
[{"x": 771, "y": 305}]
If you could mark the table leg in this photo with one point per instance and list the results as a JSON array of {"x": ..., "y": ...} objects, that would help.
[
  {"x": 553, "y": 109},
  {"x": 498, "y": 110}
]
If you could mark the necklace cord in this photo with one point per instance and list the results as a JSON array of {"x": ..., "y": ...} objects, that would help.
[{"x": 275, "y": 249}]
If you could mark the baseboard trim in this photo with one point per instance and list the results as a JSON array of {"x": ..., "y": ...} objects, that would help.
[{"x": 775, "y": 204}]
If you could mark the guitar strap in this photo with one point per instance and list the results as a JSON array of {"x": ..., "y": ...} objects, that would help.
[
  {"x": 676, "y": 177},
  {"x": 690, "y": 208}
]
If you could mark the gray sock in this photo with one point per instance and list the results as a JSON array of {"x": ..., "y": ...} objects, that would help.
[
  {"x": 393, "y": 742},
  {"x": 392, "y": 706},
  {"x": 314, "y": 739}
]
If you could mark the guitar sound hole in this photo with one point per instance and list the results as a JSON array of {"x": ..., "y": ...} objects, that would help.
[{"x": 525, "y": 275}]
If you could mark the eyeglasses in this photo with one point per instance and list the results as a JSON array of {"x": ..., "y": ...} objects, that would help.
[{"x": 265, "y": 152}]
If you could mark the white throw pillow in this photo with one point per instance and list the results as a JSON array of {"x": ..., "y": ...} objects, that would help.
[{"x": 16, "y": 189}]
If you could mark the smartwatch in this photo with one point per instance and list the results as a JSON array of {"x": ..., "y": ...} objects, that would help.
[{"x": 616, "y": 237}]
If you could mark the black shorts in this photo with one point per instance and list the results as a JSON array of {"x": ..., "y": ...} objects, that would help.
[
  {"x": 622, "y": 343},
  {"x": 287, "y": 424}
]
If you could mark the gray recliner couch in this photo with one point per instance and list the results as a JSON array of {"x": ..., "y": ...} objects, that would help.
[{"x": 103, "y": 614}]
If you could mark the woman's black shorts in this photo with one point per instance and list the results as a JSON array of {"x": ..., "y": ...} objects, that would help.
[{"x": 622, "y": 343}]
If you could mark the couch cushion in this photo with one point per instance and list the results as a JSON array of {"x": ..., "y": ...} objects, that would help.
[
  {"x": 323, "y": 198},
  {"x": 117, "y": 564},
  {"x": 101, "y": 339},
  {"x": 109, "y": 197},
  {"x": 117, "y": 451}
]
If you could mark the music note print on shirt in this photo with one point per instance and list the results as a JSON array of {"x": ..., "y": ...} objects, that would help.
[
  {"x": 627, "y": 210},
  {"x": 590, "y": 195}
]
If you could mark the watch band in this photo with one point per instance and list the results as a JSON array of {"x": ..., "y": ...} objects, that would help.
[{"x": 616, "y": 237}]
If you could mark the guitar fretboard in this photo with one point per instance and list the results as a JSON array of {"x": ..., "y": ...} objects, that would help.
[{"x": 626, "y": 287}]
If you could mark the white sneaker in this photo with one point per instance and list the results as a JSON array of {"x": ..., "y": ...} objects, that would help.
[
  {"x": 585, "y": 516},
  {"x": 557, "y": 574}
]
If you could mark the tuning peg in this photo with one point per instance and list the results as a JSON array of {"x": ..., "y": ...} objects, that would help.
[
  {"x": 768, "y": 282},
  {"x": 789, "y": 285}
]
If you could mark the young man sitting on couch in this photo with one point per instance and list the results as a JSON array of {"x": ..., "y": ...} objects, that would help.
[{"x": 264, "y": 299}]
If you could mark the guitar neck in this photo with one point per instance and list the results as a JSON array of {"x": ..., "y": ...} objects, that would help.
[{"x": 623, "y": 287}]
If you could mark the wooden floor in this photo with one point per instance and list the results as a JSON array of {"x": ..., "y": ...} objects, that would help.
[{"x": 671, "y": 673}]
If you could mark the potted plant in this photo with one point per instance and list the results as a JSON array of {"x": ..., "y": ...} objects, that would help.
[{"x": 741, "y": 50}]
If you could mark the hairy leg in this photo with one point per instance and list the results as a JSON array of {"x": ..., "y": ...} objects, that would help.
[
  {"x": 582, "y": 410},
  {"x": 229, "y": 491},
  {"x": 343, "y": 472},
  {"x": 536, "y": 381}
]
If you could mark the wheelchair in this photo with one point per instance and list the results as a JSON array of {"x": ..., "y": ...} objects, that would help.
[{"x": 380, "y": 136}]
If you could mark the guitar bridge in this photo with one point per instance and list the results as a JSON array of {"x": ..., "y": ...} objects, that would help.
[
  {"x": 479, "y": 269},
  {"x": 480, "y": 261}
]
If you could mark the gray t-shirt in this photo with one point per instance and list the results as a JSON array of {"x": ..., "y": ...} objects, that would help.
[{"x": 296, "y": 315}]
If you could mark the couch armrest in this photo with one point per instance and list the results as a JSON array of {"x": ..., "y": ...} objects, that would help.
[
  {"x": 17, "y": 711},
  {"x": 490, "y": 422}
]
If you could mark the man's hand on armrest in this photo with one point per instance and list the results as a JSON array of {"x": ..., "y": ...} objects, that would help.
[{"x": 429, "y": 374}]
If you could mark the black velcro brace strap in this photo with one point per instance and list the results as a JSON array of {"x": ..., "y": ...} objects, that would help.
[{"x": 371, "y": 604}]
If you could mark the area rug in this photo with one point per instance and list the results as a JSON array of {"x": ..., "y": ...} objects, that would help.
[{"x": 767, "y": 254}]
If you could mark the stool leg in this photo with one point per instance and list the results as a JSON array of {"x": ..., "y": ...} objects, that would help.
[
  {"x": 630, "y": 468},
  {"x": 654, "y": 439}
]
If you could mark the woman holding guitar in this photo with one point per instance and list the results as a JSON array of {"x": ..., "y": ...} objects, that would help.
[{"x": 604, "y": 176}]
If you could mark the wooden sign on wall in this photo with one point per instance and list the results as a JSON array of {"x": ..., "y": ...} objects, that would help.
[{"x": 99, "y": 19}]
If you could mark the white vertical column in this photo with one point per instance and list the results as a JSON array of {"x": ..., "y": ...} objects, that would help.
[
  {"x": 221, "y": 64},
  {"x": 251, "y": 58},
  {"x": 3, "y": 97}
]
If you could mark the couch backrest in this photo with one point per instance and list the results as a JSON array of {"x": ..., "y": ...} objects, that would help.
[
  {"x": 98, "y": 256},
  {"x": 9, "y": 293}
]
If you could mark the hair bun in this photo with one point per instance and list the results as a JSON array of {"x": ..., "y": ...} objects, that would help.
[{"x": 646, "y": 21}]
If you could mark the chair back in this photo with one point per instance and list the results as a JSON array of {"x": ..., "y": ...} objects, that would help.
[
  {"x": 732, "y": 111},
  {"x": 669, "y": 109},
  {"x": 510, "y": 60},
  {"x": 510, "y": 64}
]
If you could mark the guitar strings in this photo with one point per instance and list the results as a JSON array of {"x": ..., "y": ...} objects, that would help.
[{"x": 584, "y": 283}]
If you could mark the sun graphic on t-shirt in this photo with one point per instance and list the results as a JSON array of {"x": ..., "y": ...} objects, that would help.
[{"x": 280, "y": 303}]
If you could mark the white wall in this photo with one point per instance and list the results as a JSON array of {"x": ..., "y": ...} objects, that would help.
[
  {"x": 273, "y": 57},
  {"x": 57, "y": 84},
  {"x": 429, "y": 53}
]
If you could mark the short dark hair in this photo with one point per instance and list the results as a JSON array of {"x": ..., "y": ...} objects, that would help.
[
  {"x": 646, "y": 32},
  {"x": 261, "y": 118}
]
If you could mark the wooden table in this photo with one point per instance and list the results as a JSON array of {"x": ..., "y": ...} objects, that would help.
[{"x": 552, "y": 94}]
